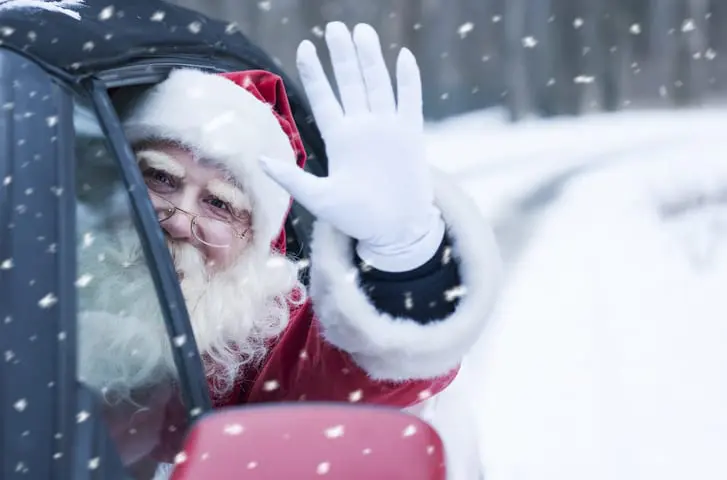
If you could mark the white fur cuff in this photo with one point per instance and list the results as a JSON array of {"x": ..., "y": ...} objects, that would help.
[{"x": 399, "y": 348}]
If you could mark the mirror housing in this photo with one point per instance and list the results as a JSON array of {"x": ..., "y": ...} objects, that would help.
[{"x": 311, "y": 441}]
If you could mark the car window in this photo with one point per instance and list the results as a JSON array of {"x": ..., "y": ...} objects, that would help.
[{"x": 125, "y": 353}]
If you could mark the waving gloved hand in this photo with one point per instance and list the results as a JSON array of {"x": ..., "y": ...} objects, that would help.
[{"x": 379, "y": 187}]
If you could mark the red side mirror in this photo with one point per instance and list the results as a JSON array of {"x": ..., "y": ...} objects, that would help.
[{"x": 311, "y": 441}]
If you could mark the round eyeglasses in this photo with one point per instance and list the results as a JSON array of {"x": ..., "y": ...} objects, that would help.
[{"x": 210, "y": 231}]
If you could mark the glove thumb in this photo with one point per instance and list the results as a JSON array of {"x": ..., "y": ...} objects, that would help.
[{"x": 305, "y": 188}]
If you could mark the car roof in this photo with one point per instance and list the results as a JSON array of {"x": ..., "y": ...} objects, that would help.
[{"x": 92, "y": 35}]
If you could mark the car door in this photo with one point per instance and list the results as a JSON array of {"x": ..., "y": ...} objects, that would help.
[
  {"x": 40, "y": 399},
  {"x": 62, "y": 184}
]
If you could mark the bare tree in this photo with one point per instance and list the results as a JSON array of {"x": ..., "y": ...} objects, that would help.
[
  {"x": 689, "y": 69},
  {"x": 518, "y": 95}
]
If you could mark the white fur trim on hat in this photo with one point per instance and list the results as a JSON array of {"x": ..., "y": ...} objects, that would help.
[
  {"x": 399, "y": 349},
  {"x": 220, "y": 121}
]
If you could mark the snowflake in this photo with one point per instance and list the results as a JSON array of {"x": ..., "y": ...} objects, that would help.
[
  {"x": 409, "y": 431},
  {"x": 688, "y": 25},
  {"x": 65, "y": 7},
  {"x": 323, "y": 468},
  {"x": 465, "y": 28},
  {"x": 234, "y": 429},
  {"x": 334, "y": 432},
  {"x": 529, "y": 42}
]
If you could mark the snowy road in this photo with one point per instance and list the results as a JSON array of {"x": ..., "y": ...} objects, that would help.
[{"x": 606, "y": 356}]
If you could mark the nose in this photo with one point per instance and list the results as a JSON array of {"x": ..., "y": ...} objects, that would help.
[{"x": 178, "y": 226}]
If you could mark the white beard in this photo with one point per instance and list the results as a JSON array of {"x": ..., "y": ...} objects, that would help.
[{"x": 123, "y": 342}]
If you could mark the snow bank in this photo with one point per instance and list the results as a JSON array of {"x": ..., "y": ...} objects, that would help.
[{"x": 607, "y": 356}]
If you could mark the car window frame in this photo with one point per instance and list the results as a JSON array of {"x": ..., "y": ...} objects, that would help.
[
  {"x": 59, "y": 442},
  {"x": 193, "y": 387}
]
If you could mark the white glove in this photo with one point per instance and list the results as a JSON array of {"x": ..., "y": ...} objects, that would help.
[{"x": 379, "y": 187}]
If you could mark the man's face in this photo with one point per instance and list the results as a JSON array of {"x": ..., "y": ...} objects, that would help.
[{"x": 196, "y": 204}]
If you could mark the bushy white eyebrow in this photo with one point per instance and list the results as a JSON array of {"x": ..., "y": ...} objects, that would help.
[
  {"x": 230, "y": 194},
  {"x": 161, "y": 161}
]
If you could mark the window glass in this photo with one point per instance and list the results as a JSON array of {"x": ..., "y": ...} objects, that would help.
[{"x": 125, "y": 354}]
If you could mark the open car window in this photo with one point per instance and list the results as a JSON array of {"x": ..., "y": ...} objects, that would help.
[{"x": 124, "y": 352}]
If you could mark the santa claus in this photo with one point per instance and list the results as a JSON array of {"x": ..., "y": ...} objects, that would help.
[{"x": 404, "y": 269}]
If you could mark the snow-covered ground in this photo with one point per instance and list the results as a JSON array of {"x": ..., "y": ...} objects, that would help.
[{"x": 607, "y": 355}]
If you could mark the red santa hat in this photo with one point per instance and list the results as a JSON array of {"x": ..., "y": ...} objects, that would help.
[{"x": 230, "y": 119}]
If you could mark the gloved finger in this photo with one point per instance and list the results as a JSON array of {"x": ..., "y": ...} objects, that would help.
[
  {"x": 344, "y": 60},
  {"x": 305, "y": 188},
  {"x": 326, "y": 109},
  {"x": 409, "y": 88},
  {"x": 379, "y": 90}
]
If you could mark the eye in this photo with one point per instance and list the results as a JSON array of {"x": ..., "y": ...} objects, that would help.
[
  {"x": 158, "y": 178},
  {"x": 217, "y": 203}
]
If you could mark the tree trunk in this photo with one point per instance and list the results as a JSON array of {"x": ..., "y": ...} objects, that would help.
[
  {"x": 690, "y": 77},
  {"x": 517, "y": 98}
]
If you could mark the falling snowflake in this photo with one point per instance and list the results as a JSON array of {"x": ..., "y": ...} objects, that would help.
[
  {"x": 323, "y": 468},
  {"x": 424, "y": 394},
  {"x": 271, "y": 385},
  {"x": 20, "y": 405},
  {"x": 366, "y": 451},
  {"x": 465, "y": 29},
  {"x": 9, "y": 355},
  {"x": 454, "y": 293},
  {"x": 65, "y": 7},
  {"x": 496, "y": 18},
  {"x": 530, "y": 42},
  {"x": 430, "y": 450},
  {"x": 688, "y": 25},
  {"x": 355, "y": 396},
  {"x": 710, "y": 54},
  {"x": 7, "y": 181},
  {"x": 234, "y": 429},
  {"x": 82, "y": 416},
  {"x": 181, "y": 457},
  {"x": 409, "y": 431},
  {"x": 87, "y": 240},
  {"x": 94, "y": 463},
  {"x": 6, "y": 264},
  {"x": 408, "y": 301},
  {"x": 583, "y": 79},
  {"x": 578, "y": 23},
  {"x": 106, "y": 13},
  {"x": 317, "y": 31},
  {"x": 334, "y": 432},
  {"x": 195, "y": 27},
  {"x": 180, "y": 340},
  {"x": 265, "y": 5},
  {"x": 48, "y": 301},
  {"x": 84, "y": 280},
  {"x": 252, "y": 465},
  {"x": 635, "y": 29}
]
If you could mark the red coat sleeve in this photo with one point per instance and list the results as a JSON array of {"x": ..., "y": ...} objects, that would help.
[{"x": 302, "y": 366}]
